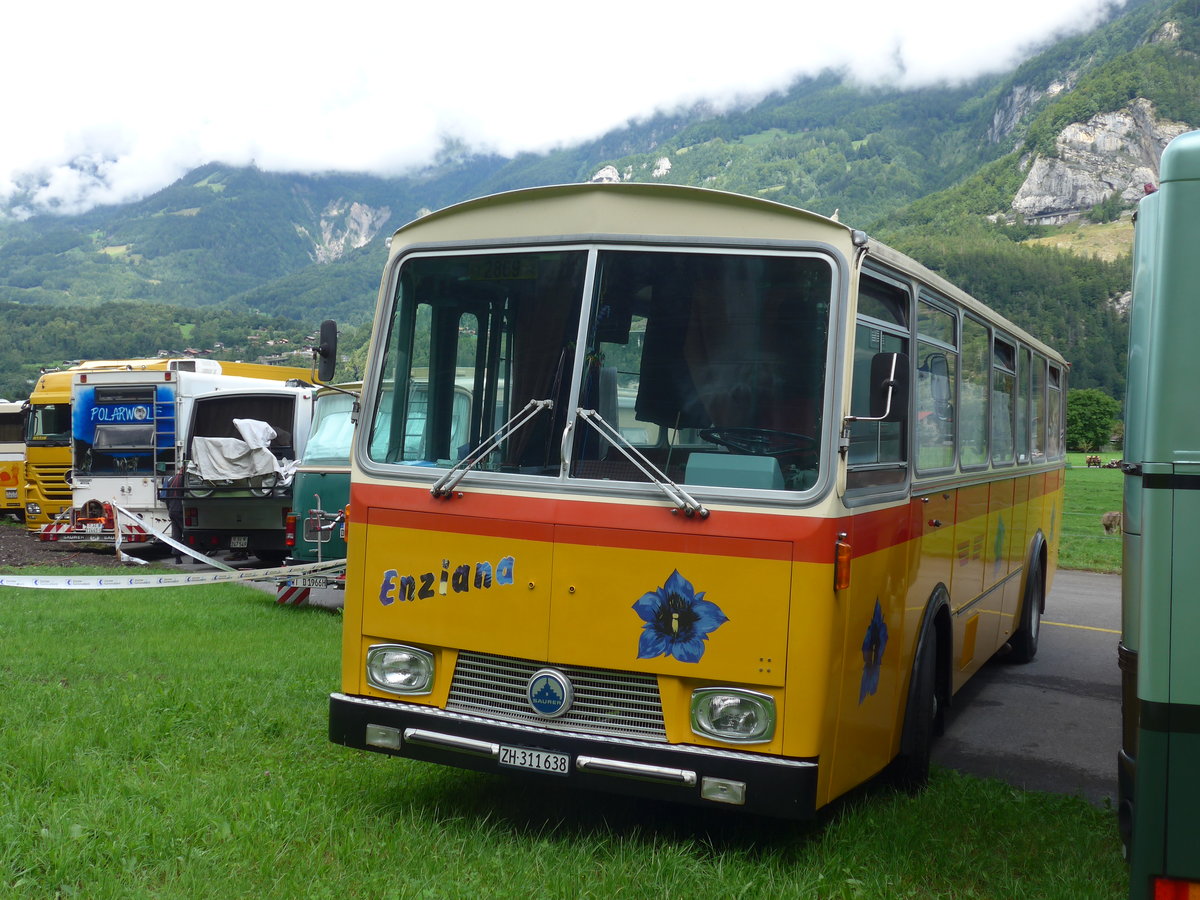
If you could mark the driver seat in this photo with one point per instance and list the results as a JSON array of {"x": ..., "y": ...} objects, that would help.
[{"x": 734, "y": 470}]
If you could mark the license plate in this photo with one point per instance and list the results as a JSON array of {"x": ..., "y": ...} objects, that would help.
[
  {"x": 314, "y": 581},
  {"x": 92, "y": 527},
  {"x": 239, "y": 542},
  {"x": 535, "y": 760}
]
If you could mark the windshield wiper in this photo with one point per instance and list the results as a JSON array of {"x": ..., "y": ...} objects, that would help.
[
  {"x": 447, "y": 482},
  {"x": 677, "y": 495}
]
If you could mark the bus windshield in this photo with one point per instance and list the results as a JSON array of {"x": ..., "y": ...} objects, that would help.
[
  {"x": 687, "y": 353},
  {"x": 332, "y": 430},
  {"x": 49, "y": 423}
]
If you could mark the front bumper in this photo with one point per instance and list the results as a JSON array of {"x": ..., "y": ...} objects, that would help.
[{"x": 701, "y": 776}]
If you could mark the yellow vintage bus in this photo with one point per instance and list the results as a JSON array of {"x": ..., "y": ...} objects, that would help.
[
  {"x": 12, "y": 459},
  {"x": 743, "y": 499}
]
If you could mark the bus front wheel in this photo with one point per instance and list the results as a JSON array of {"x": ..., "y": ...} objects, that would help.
[{"x": 910, "y": 770}]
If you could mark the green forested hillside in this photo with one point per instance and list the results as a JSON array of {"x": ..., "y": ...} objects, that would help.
[
  {"x": 49, "y": 336},
  {"x": 224, "y": 250}
]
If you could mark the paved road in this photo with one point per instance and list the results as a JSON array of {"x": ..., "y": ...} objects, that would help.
[{"x": 1055, "y": 723}]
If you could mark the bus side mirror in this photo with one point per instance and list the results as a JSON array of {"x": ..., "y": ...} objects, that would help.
[
  {"x": 326, "y": 351},
  {"x": 889, "y": 387}
]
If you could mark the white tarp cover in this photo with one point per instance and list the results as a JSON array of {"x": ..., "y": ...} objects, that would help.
[{"x": 228, "y": 459}]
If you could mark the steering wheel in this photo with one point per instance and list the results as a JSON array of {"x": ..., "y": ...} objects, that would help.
[{"x": 759, "y": 441}]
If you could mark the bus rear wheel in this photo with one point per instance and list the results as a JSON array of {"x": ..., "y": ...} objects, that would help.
[{"x": 1024, "y": 644}]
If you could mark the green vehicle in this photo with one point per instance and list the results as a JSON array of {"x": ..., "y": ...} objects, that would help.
[
  {"x": 1158, "y": 770},
  {"x": 321, "y": 486}
]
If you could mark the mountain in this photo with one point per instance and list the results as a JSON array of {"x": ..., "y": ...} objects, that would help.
[{"x": 971, "y": 179}]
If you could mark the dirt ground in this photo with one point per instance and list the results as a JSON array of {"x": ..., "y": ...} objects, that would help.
[{"x": 19, "y": 548}]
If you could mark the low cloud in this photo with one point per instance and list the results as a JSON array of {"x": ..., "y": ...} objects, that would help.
[{"x": 122, "y": 105}]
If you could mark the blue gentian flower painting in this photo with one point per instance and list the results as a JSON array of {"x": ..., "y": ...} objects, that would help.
[
  {"x": 678, "y": 621},
  {"x": 872, "y": 650}
]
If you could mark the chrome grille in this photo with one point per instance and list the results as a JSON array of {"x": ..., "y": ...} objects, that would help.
[
  {"x": 607, "y": 701},
  {"x": 53, "y": 481}
]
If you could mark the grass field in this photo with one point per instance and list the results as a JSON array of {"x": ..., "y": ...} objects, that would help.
[
  {"x": 1090, "y": 493},
  {"x": 172, "y": 743}
]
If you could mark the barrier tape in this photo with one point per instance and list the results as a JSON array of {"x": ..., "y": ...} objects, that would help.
[
  {"x": 61, "y": 528},
  {"x": 109, "y": 582},
  {"x": 278, "y": 574},
  {"x": 161, "y": 536}
]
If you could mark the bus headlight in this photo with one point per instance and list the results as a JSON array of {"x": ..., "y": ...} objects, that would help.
[
  {"x": 400, "y": 670},
  {"x": 33, "y": 509},
  {"x": 733, "y": 715}
]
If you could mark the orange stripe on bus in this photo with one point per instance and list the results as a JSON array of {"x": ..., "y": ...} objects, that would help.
[{"x": 726, "y": 532}]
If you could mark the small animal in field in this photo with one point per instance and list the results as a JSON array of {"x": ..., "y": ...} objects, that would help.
[{"x": 1111, "y": 522}]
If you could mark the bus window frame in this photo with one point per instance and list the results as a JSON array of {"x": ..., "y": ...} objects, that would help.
[
  {"x": 867, "y": 492},
  {"x": 998, "y": 338},
  {"x": 1024, "y": 423},
  {"x": 1056, "y": 377},
  {"x": 951, "y": 309},
  {"x": 986, "y": 462},
  {"x": 594, "y": 245},
  {"x": 1037, "y": 424}
]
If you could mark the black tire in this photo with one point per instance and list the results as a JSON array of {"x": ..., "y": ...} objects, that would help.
[
  {"x": 1024, "y": 644},
  {"x": 910, "y": 770}
]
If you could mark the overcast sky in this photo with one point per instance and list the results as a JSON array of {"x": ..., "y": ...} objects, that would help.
[{"x": 138, "y": 93}]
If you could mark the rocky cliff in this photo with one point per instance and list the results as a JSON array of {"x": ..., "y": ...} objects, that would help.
[
  {"x": 1114, "y": 151},
  {"x": 342, "y": 227}
]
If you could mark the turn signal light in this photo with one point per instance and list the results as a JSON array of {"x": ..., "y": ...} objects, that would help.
[{"x": 841, "y": 564}]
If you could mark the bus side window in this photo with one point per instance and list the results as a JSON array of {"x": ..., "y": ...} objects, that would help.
[
  {"x": 973, "y": 395},
  {"x": 936, "y": 387},
  {"x": 878, "y": 452},
  {"x": 1004, "y": 392},
  {"x": 1054, "y": 418},
  {"x": 1037, "y": 433},
  {"x": 1023, "y": 373}
]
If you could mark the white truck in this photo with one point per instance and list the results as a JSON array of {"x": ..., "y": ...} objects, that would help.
[{"x": 132, "y": 430}]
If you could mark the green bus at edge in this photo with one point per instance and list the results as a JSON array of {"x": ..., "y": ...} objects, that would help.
[
  {"x": 321, "y": 488},
  {"x": 1159, "y": 760}
]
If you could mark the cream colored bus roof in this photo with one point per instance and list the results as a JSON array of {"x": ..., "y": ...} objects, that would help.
[{"x": 563, "y": 213}]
